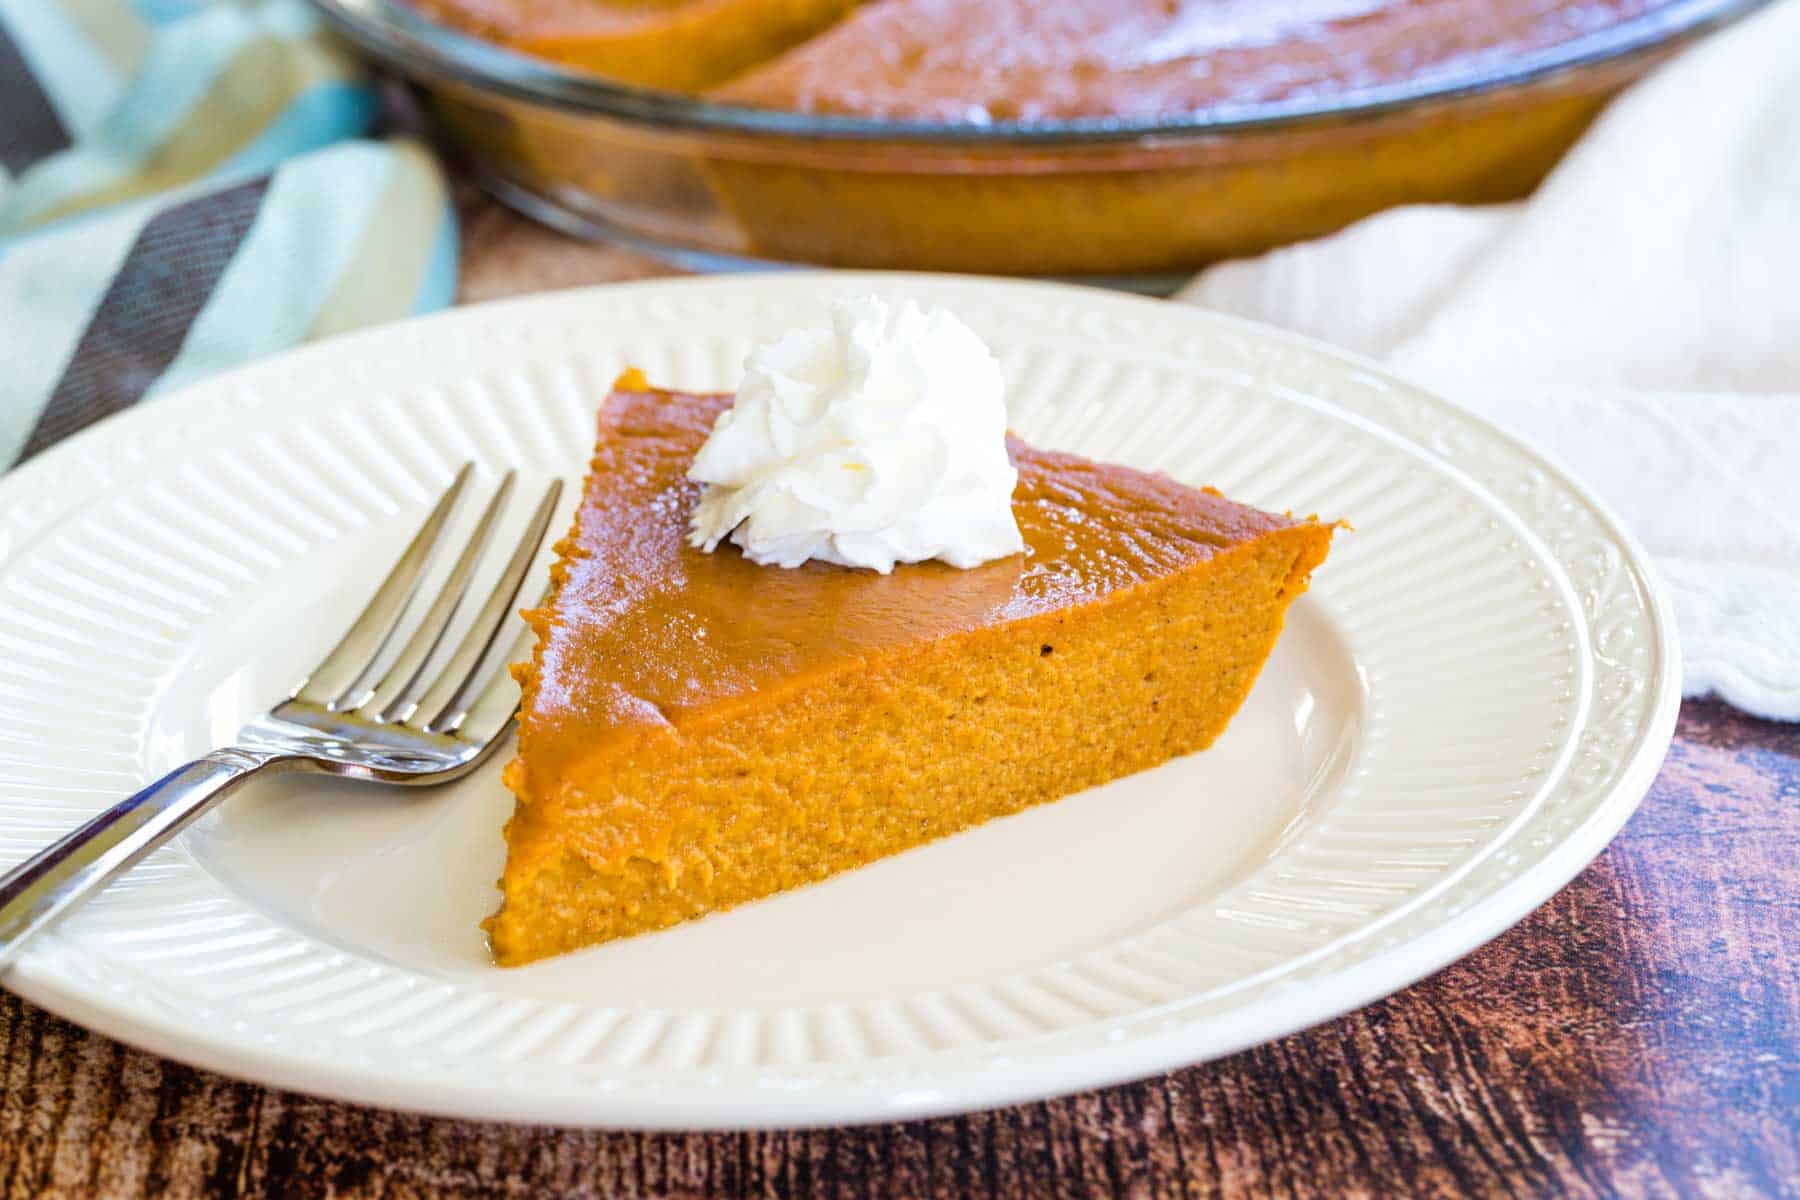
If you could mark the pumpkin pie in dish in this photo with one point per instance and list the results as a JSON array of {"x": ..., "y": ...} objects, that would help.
[
  {"x": 982, "y": 61},
  {"x": 1140, "y": 138},
  {"x": 699, "y": 730}
]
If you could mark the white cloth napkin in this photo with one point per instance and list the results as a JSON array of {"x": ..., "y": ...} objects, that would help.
[{"x": 1637, "y": 319}]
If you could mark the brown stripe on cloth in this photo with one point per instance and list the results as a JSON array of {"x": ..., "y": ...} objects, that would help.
[
  {"x": 30, "y": 128},
  {"x": 143, "y": 318}
]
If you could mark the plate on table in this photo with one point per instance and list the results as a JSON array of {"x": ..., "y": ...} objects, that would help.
[{"x": 1463, "y": 710}]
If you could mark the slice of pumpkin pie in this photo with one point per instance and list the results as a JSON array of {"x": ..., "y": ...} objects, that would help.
[{"x": 699, "y": 729}]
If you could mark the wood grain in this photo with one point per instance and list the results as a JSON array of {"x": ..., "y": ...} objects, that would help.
[{"x": 1637, "y": 1036}]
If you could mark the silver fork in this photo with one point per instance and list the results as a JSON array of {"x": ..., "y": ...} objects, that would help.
[{"x": 405, "y": 727}]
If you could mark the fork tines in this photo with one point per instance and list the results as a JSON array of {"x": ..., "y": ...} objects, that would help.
[{"x": 461, "y": 694}]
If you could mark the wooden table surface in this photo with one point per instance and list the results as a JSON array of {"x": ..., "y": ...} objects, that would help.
[{"x": 1638, "y": 1035}]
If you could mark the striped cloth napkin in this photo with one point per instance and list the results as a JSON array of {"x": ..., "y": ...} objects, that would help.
[{"x": 184, "y": 186}]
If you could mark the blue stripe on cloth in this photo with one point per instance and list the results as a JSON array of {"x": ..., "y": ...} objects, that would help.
[
  {"x": 319, "y": 116},
  {"x": 165, "y": 12}
]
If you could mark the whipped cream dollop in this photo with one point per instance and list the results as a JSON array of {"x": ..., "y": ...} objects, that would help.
[{"x": 879, "y": 440}]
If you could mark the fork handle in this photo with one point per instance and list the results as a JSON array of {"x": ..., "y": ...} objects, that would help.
[{"x": 44, "y": 887}]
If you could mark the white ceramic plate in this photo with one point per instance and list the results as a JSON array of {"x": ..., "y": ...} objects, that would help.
[{"x": 1463, "y": 710}]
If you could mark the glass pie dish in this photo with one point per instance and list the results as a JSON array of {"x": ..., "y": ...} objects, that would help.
[{"x": 712, "y": 185}]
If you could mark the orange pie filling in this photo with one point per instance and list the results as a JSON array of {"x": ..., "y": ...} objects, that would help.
[{"x": 698, "y": 731}]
